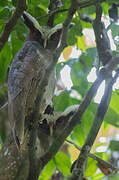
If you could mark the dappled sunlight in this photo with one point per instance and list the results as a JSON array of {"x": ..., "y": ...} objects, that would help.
[
  {"x": 116, "y": 84},
  {"x": 75, "y": 52},
  {"x": 89, "y": 37},
  {"x": 100, "y": 93},
  {"x": 75, "y": 94},
  {"x": 66, "y": 78},
  {"x": 102, "y": 148},
  {"x": 92, "y": 75}
]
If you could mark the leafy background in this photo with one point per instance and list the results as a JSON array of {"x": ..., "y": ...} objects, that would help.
[{"x": 107, "y": 143}]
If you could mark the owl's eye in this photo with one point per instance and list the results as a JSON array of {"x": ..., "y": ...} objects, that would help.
[
  {"x": 53, "y": 41},
  {"x": 56, "y": 35}
]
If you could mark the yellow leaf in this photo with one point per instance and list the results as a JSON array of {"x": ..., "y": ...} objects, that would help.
[
  {"x": 67, "y": 52},
  {"x": 81, "y": 43}
]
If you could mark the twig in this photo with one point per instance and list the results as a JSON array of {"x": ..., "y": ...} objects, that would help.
[
  {"x": 81, "y": 5},
  {"x": 4, "y": 105},
  {"x": 88, "y": 3},
  {"x": 85, "y": 17},
  {"x": 53, "y": 12},
  {"x": 103, "y": 46},
  {"x": 21, "y": 6},
  {"x": 53, "y": 6},
  {"x": 95, "y": 157},
  {"x": 59, "y": 138},
  {"x": 78, "y": 171},
  {"x": 102, "y": 39}
]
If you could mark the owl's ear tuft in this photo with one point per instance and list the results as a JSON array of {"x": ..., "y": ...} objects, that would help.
[
  {"x": 30, "y": 21},
  {"x": 34, "y": 27}
]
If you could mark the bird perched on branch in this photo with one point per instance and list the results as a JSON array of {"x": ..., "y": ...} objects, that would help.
[{"x": 27, "y": 71}]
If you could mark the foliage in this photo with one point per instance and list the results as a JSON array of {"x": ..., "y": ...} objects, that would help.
[{"x": 80, "y": 68}]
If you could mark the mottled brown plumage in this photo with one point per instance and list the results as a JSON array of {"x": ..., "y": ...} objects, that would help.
[{"x": 26, "y": 73}]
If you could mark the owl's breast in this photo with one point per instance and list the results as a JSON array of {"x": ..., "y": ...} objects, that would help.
[{"x": 49, "y": 92}]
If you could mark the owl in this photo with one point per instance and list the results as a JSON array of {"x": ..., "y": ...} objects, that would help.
[{"x": 27, "y": 70}]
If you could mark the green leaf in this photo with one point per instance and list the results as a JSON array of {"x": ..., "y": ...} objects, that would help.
[
  {"x": 98, "y": 176},
  {"x": 114, "y": 145},
  {"x": 14, "y": 2},
  {"x": 60, "y": 17},
  {"x": 83, "y": 86},
  {"x": 112, "y": 118},
  {"x": 88, "y": 10},
  {"x": 63, "y": 163},
  {"x": 63, "y": 97},
  {"x": 114, "y": 177},
  {"x": 115, "y": 32},
  {"x": 64, "y": 100},
  {"x": 5, "y": 13},
  {"x": 29, "y": 1},
  {"x": 91, "y": 167},
  {"x": 78, "y": 77},
  {"x": 3, "y": 3},
  {"x": 81, "y": 43},
  {"x": 75, "y": 31},
  {"x": 41, "y": 6},
  {"x": 105, "y": 7},
  {"x": 21, "y": 30},
  {"x": 114, "y": 104},
  {"x": 47, "y": 171},
  {"x": 80, "y": 132},
  {"x": 16, "y": 43},
  {"x": 76, "y": 72},
  {"x": 5, "y": 59}
]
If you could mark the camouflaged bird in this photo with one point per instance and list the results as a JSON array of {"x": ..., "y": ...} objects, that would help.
[{"x": 27, "y": 71}]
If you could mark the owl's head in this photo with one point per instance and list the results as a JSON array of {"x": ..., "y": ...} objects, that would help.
[{"x": 48, "y": 37}]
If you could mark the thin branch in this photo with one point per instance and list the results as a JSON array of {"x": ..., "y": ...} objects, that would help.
[
  {"x": 4, "y": 105},
  {"x": 21, "y": 6},
  {"x": 102, "y": 39},
  {"x": 80, "y": 5},
  {"x": 53, "y": 12},
  {"x": 96, "y": 158},
  {"x": 78, "y": 171},
  {"x": 113, "y": 63},
  {"x": 53, "y": 6},
  {"x": 59, "y": 138},
  {"x": 88, "y": 3},
  {"x": 85, "y": 18},
  {"x": 66, "y": 25}
]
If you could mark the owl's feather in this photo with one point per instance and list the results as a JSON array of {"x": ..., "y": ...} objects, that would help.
[{"x": 26, "y": 72}]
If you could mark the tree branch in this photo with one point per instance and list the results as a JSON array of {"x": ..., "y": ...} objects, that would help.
[
  {"x": 80, "y": 5},
  {"x": 78, "y": 171},
  {"x": 96, "y": 158},
  {"x": 53, "y": 6},
  {"x": 21, "y": 6},
  {"x": 60, "y": 137},
  {"x": 102, "y": 39},
  {"x": 103, "y": 47}
]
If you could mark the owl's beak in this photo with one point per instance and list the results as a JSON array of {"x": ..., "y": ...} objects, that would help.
[{"x": 45, "y": 43}]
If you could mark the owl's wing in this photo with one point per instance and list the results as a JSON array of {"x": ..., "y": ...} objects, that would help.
[{"x": 22, "y": 85}]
